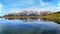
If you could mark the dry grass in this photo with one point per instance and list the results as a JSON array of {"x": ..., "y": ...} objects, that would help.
[
  {"x": 53, "y": 17},
  {"x": 22, "y": 17}
]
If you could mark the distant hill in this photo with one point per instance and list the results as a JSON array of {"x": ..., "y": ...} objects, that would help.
[{"x": 53, "y": 17}]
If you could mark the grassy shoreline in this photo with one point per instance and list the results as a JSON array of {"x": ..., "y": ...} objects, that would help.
[
  {"x": 50, "y": 17},
  {"x": 53, "y": 17}
]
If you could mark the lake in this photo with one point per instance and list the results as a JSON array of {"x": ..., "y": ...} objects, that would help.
[{"x": 28, "y": 26}]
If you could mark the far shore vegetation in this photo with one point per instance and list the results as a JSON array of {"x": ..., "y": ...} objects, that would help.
[{"x": 51, "y": 16}]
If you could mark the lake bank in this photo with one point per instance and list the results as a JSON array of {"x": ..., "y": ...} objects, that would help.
[
  {"x": 23, "y": 17},
  {"x": 53, "y": 17},
  {"x": 50, "y": 17}
]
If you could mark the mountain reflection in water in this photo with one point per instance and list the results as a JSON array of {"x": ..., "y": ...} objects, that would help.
[{"x": 27, "y": 19}]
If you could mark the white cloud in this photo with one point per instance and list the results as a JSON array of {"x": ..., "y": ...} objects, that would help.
[
  {"x": 1, "y": 6},
  {"x": 58, "y": 6},
  {"x": 1, "y": 9},
  {"x": 49, "y": 6},
  {"x": 42, "y": 3}
]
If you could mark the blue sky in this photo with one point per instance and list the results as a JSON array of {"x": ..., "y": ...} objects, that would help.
[{"x": 18, "y": 5}]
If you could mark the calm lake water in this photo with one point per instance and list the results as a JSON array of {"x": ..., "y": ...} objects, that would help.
[{"x": 28, "y": 26}]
